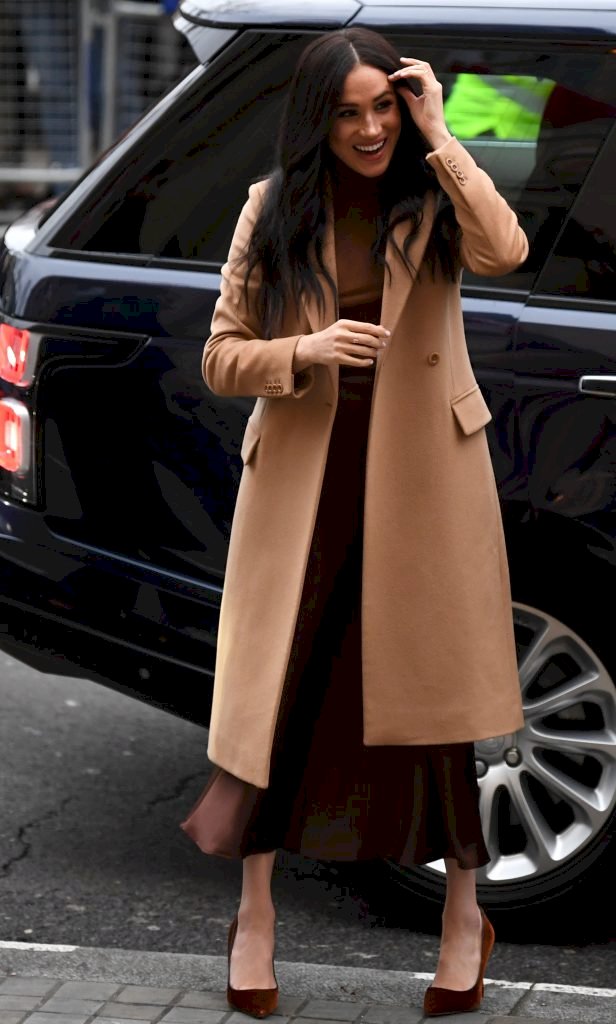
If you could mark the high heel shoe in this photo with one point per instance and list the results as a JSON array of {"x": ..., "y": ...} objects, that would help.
[
  {"x": 257, "y": 1002},
  {"x": 441, "y": 1001}
]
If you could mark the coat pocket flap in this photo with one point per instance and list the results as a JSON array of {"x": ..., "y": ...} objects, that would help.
[
  {"x": 249, "y": 443},
  {"x": 471, "y": 410}
]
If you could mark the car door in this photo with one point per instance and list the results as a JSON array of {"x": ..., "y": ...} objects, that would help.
[
  {"x": 565, "y": 336},
  {"x": 566, "y": 382}
]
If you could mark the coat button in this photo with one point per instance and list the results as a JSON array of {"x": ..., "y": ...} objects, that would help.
[
  {"x": 433, "y": 358},
  {"x": 453, "y": 165}
]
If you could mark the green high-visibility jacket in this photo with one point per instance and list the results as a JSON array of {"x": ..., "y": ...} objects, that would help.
[{"x": 508, "y": 106}]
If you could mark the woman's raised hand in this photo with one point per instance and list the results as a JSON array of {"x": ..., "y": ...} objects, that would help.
[
  {"x": 347, "y": 342},
  {"x": 426, "y": 110}
]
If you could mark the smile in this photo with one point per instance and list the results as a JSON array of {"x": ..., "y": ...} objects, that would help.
[{"x": 374, "y": 148}]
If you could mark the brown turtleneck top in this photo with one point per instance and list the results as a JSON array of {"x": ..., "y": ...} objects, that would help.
[{"x": 356, "y": 207}]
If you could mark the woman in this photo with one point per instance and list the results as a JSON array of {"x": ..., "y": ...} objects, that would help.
[{"x": 365, "y": 636}]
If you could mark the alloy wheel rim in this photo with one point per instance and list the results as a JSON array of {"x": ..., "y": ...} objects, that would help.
[{"x": 548, "y": 790}]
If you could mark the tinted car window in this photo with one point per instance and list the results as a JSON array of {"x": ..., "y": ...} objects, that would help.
[
  {"x": 584, "y": 261},
  {"x": 182, "y": 193},
  {"x": 533, "y": 120}
]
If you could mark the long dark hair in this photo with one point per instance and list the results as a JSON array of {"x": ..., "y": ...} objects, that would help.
[{"x": 289, "y": 231}]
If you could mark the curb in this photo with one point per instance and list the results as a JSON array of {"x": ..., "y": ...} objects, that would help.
[{"x": 302, "y": 980}]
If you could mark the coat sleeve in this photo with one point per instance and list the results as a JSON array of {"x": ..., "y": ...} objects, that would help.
[
  {"x": 236, "y": 360},
  {"x": 493, "y": 242}
]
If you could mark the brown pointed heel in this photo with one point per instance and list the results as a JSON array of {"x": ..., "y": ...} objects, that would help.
[
  {"x": 440, "y": 1001},
  {"x": 257, "y": 1002}
]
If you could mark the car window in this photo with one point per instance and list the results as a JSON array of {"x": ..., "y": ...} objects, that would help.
[
  {"x": 535, "y": 121},
  {"x": 583, "y": 264},
  {"x": 181, "y": 193}
]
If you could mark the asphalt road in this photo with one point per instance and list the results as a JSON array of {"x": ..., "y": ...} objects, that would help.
[{"x": 93, "y": 786}]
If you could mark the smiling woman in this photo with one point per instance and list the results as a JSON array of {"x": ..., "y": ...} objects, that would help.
[
  {"x": 367, "y": 122},
  {"x": 353, "y": 670}
]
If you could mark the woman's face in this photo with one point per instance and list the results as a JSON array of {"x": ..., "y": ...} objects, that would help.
[{"x": 366, "y": 124}]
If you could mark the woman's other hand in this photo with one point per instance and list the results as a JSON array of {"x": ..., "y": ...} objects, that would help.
[
  {"x": 426, "y": 110},
  {"x": 347, "y": 342}
]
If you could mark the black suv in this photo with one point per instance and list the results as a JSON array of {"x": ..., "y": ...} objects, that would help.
[{"x": 119, "y": 469}]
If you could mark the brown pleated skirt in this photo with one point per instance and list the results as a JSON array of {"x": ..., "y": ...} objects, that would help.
[{"x": 330, "y": 797}]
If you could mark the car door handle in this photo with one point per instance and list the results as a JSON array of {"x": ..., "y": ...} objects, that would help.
[{"x": 604, "y": 385}]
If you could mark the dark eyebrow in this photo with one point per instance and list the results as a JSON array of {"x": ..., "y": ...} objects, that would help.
[{"x": 388, "y": 92}]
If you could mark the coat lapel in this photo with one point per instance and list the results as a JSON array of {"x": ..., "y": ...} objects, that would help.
[{"x": 399, "y": 282}]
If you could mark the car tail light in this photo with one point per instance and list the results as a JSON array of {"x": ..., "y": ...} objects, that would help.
[
  {"x": 15, "y": 434},
  {"x": 14, "y": 349}
]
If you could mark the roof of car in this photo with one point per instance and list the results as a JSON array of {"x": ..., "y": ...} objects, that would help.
[{"x": 570, "y": 20}]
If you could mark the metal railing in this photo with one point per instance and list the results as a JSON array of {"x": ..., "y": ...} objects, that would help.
[{"x": 75, "y": 75}]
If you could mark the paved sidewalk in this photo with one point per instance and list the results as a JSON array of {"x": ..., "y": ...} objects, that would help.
[{"x": 78, "y": 985}]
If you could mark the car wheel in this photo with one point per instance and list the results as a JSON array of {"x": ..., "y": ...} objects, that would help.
[{"x": 548, "y": 792}]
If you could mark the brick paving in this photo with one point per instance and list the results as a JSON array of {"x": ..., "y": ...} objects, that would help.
[{"x": 42, "y": 1000}]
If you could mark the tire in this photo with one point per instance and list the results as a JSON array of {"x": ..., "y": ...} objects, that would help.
[{"x": 548, "y": 793}]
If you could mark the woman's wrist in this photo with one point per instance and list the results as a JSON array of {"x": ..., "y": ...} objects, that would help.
[
  {"x": 302, "y": 357},
  {"x": 439, "y": 137}
]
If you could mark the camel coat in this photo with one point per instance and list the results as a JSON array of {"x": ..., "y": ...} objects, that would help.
[{"x": 438, "y": 655}]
